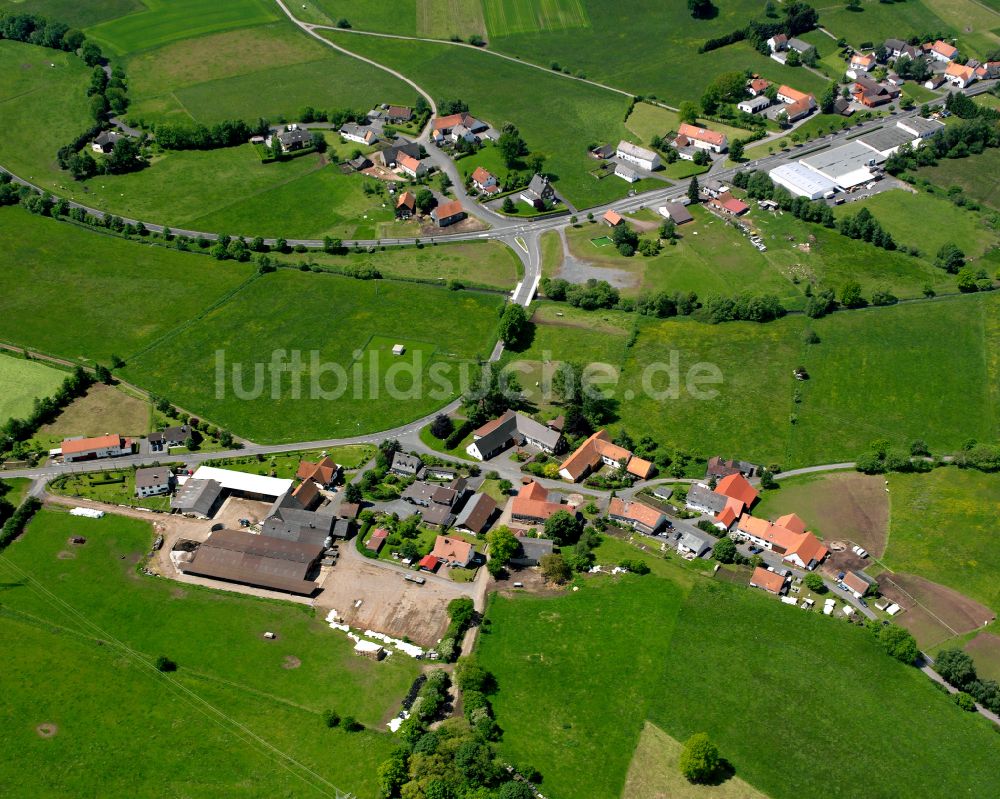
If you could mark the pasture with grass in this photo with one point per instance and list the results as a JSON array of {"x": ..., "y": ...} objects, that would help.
[
  {"x": 587, "y": 714},
  {"x": 100, "y": 614},
  {"x": 103, "y": 408},
  {"x": 22, "y": 382},
  {"x": 349, "y": 326}
]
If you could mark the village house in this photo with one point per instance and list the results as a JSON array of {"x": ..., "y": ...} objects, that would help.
[
  {"x": 959, "y": 75},
  {"x": 729, "y": 205},
  {"x": 714, "y": 188},
  {"x": 405, "y": 465},
  {"x": 942, "y": 51},
  {"x": 485, "y": 181},
  {"x": 639, "y": 156},
  {"x": 757, "y": 85},
  {"x": 532, "y": 505},
  {"x": 777, "y": 43},
  {"x": 719, "y": 467},
  {"x": 292, "y": 137},
  {"x": 457, "y": 126},
  {"x": 388, "y": 156},
  {"x": 700, "y": 138},
  {"x": 377, "y": 539},
  {"x": 935, "y": 82},
  {"x": 453, "y": 552},
  {"x": 597, "y": 451},
  {"x": 82, "y": 449},
  {"x": 448, "y": 213},
  {"x": 154, "y": 481},
  {"x": 637, "y": 515},
  {"x": 731, "y": 496},
  {"x": 477, "y": 514},
  {"x": 325, "y": 473},
  {"x": 512, "y": 429},
  {"x": 857, "y": 583},
  {"x": 398, "y": 114},
  {"x": 894, "y": 48},
  {"x": 410, "y": 166},
  {"x": 538, "y": 192},
  {"x": 769, "y": 581},
  {"x": 174, "y": 436},
  {"x": 694, "y": 545},
  {"x": 361, "y": 134},
  {"x": 105, "y": 141},
  {"x": 788, "y": 95},
  {"x": 786, "y": 537},
  {"x": 612, "y": 218},
  {"x": 871, "y": 94},
  {"x": 703, "y": 499},
  {"x": 860, "y": 63},
  {"x": 406, "y": 205}
]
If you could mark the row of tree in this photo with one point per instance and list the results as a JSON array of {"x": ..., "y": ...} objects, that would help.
[
  {"x": 36, "y": 29},
  {"x": 958, "y": 669},
  {"x": 195, "y": 136}
]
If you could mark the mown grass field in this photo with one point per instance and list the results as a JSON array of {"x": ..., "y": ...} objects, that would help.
[
  {"x": 500, "y": 91},
  {"x": 72, "y": 12},
  {"x": 285, "y": 464},
  {"x": 486, "y": 264},
  {"x": 350, "y": 323},
  {"x": 270, "y": 71},
  {"x": 565, "y": 659},
  {"x": 22, "y": 382},
  {"x": 14, "y": 489},
  {"x": 837, "y": 506},
  {"x": 508, "y": 17},
  {"x": 978, "y": 177},
  {"x": 971, "y": 22},
  {"x": 624, "y": 46},
  {"x": 382, "y": 16},
  {"x": 442, "y": 19},
  {"x": 166, "y": 21},
  {"x": 927, "y": 222},
  {"x": 943, "y": 527},
  {"x": 52, "y": 269},
  {"x": 925, "y": 370},
  {"x": 227, "y": 189},
  {"x": 114, "y": 487},
  {"x": 101, "y": 410},
  {"x": 112, "y": 705}
]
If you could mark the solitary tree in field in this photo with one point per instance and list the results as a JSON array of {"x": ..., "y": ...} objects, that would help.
[
  {"x": 700, "y": 760},
  {"x": 514, "y": 324},
  {"x": 442, "y": 426}
]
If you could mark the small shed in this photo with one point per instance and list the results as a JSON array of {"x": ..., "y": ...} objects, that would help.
[
  {"x": 369, "y": 649},
  {"x": 398, "y": 349}
]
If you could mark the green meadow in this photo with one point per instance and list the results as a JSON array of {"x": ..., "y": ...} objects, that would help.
[
  {"x": 500, "y": 91},
  {"x": 22, "y": 382},
  {"x": 947, "y": 510},
  {"x": 978, "y": 177},
  {"x": 166, "y": 21},
  {"x": 242, "y": 714},
  {"x": 595, "y": 664},
  {"x": 269, "y": 70},
  {"x": 73, "y": 12},
  {"x": 924, "y": 370},
  {"x": 140, "y": 292},
  {"x": 352, "y": 324}
]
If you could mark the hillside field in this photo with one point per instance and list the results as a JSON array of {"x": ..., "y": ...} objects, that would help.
[
  {"x": 978, "y": 177},
  {"x": 351, "y": 324},
  {"x": 22, "y": 382},
  {"x": 679, "y": 644},
  {"x": 914, "y": 371},
  {"x": 230, "y": 701},
  {"x": 73, "y": 12}
]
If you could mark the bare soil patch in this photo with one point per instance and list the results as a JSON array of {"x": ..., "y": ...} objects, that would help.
[
  {"x": 934, "y": 612},
  {"x": 236, "y": 508},
  {"x": 47, "y": 730},
  {"x": 101, "y": 409},
  {"x": 389, "y": 604},
  {"x": 290, "y": 662}
]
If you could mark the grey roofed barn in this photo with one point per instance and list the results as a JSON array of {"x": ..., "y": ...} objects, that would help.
[
  {"x": 199, "y": 497},
  {"x": 255, "y": 560},
  {"x": 531, "y": 551}
]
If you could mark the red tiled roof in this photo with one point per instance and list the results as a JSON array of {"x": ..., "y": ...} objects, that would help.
[
  {"x": 701, "y": 134},
  {"x": 452, "y": 550},
  {"x": 730, "y": 513},
  {"x": 429, "y": 562},
  {"x": 491, "y": 425},
  {"x": 945, "y": 49},
  {"x": 791, "y": 521},
  {"x": 306, "y": 493},
  {"x": 640, "y": 467},
  {"x": 322, "y": 472},
  {"x": 612, "y": 217},
  {"x": 443, "y": 123},
  {"x": 481, "y": 175},
  {"x": 736, "y": 486},
  {"x": 769, "y": 581},
  {"x": 407, "y": 200},
  {"x": 795, "y": 94},
  {"x": 86, "y": 444},
  {"x": 452, "y": 208},
  {"x": 636, "y": 511},
  {"x": 407, "y": 161},
  {"x": 759, "y": 84}
]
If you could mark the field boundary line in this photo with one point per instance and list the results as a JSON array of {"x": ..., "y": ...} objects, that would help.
[
  {"x": 173, "y": 332},
  {"x": 234, "y": 727},
  {"x": 923, "y": 607}
]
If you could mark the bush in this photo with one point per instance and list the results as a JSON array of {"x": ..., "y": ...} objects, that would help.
[
  {"x": 965, "y": 701},
  {"x": 164, "y": 664},
  {"x": 351, "y": 724},
  {"x": 331, "y": 719}
]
